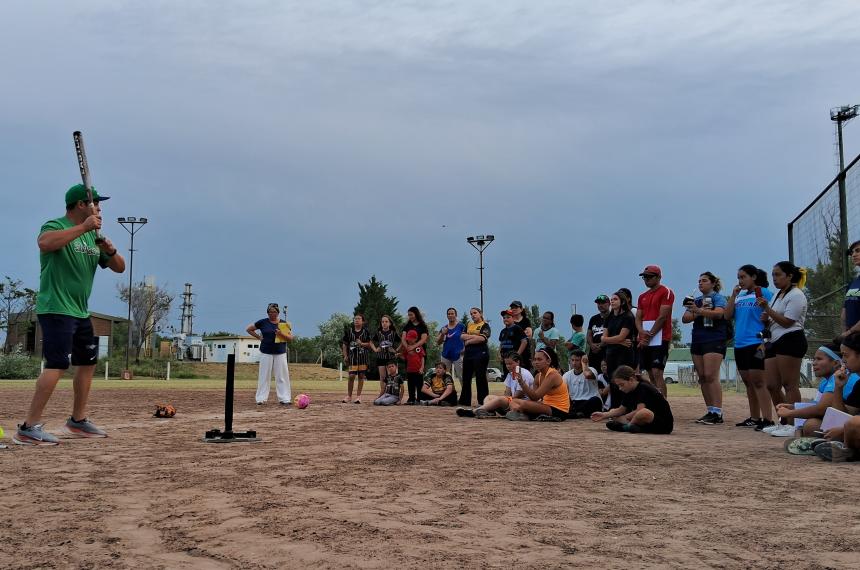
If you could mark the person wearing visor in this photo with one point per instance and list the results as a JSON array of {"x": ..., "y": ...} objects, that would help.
[{"x": 594, "y": 334}]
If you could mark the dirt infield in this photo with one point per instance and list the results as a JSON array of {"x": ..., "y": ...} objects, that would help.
[{"x": 352, "y": 486}]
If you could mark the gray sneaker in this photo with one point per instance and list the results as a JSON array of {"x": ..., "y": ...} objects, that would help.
[
  {"x": 482, "y": 413},
  {"x": 517, "y": 416},
  {"x": 835, "y": 451},
  {"x": 34, "y": 435},
  {"x": 83, "y": 428}
]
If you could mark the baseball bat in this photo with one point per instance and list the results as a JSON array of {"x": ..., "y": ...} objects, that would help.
[{"x": 85, "y": 175}]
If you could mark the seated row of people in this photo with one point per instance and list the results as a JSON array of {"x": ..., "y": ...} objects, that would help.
[{"x": 829, "y": 425}]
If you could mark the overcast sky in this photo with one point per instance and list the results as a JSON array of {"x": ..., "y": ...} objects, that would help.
[{"x": 284, "y": 151}]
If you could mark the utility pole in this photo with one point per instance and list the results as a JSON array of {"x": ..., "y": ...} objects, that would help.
[
  {"x": 129, "y": 224},
  {"x": 841, "y": 115},
  {"x": 480, "y": 243}
]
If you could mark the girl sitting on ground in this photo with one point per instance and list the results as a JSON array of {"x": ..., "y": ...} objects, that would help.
[
  {"x": 548, "y": 399},
  {"x": 825, "y": 364},
  {"x": 501, "y": 404},
  {"x": 643, "y": 409},
  {"x": 438, "y": 390},
  {"x": 393, "y": 392}
]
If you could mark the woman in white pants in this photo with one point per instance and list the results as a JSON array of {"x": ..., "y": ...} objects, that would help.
[{"x": 273, "y": 334}]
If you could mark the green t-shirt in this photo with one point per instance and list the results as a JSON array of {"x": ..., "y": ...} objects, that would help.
[
  {"x": 66, "y": 279},
  {"x": 577, "y": 339}
]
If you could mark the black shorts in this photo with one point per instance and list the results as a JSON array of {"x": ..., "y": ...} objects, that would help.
[
  {"x": 554, "y": 412},
  {"x": 63, "y": 335},
  {"x": 382, "y": 361},
  {"x": 652, "y": 357},
  {"x": 658, "y": 426},
  {"x": 746, "y": 359},
  {"x": 703, "y": 348},
  {"x": 790, "y": 344}
]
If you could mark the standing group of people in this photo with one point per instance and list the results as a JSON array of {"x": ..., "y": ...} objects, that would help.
[{"x": 621, "y": 341}]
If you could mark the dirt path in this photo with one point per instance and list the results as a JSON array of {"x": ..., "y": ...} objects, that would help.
[{"x": 347, "y": 486}]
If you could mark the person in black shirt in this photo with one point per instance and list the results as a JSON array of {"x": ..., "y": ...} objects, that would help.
[
  {"x": 616, "y": 339},
  {"x": 522, "y": 321},
  {"x": 416, "y": 351},
  {"x": 513, "y": 339},
  {"x": 355, "y": 344},
  {"x": 476, "y": 358},
  {"x": 595, "y": 331},
  {"x": 643, "y": 408},
  {"x": 385, "y": 343}
]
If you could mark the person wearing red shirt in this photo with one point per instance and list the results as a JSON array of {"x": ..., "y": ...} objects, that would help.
[{"x": 654, "y": 318}]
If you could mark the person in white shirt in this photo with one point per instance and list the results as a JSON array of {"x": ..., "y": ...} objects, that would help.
[
  {"x": 500, "y": 405},
  {"x": 784, "y": 316},
  {"x": 582, "y": 387}
]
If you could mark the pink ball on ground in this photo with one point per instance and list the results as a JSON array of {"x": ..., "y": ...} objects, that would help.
[{"x": 303, "y": 401}]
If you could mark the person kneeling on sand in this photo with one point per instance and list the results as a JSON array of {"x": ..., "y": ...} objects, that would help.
[
  {"x": 582, "y": 386},
  {"x": 548, "y": 398},
  {"x": 825, "y": 365},
  {"x": 642, "y": 409},
  {"x": 501, "y": 404},
  {"x": 392, "y": 393},
  {"x": 438, "y": 390}
]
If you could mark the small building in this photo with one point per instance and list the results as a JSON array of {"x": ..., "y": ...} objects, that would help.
[
  {"x": 25, "y": 333},
  {"x": 246, "y": 348}
]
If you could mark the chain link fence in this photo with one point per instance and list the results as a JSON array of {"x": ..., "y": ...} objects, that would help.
[{"x": 814, "y": 242}]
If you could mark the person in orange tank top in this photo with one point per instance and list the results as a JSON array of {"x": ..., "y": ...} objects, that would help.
[{"x": 548, "y": 399}]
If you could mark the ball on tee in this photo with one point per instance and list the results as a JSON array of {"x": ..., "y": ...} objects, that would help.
[{"x": 302, "y": 401}]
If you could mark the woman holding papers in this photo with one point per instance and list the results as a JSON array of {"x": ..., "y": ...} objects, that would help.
[{"x": 273, "y": 334}]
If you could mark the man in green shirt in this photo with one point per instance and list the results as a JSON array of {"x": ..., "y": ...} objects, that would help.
[{"x": 69, "y": 256}]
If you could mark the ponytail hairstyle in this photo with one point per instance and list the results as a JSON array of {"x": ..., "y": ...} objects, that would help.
[
  {"x": 796, "y": 274},
  {"x": 716, "y": 280},
  {"x": 852, "y": 341}
]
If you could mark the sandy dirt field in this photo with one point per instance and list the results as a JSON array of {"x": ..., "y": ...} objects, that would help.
[{"x": 353, "y": 486}]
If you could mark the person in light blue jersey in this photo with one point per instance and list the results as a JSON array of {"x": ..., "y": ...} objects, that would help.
[
  {"x": 710, "y": 333},
  {"x": 825, "y": 364},
  {"x": 749, "y": 344}
]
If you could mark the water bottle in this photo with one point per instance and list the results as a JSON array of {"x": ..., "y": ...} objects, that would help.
[{"x": 707, "y": 303}]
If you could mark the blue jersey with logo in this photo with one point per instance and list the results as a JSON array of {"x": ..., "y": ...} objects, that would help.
[
  {"x": 748, "y": 318},
  {"x": 852, "y": 304},
  {"x": 453, "y": 346}
]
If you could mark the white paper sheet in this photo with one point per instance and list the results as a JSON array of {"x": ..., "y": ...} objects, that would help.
[{"x": 657, "y": 339}]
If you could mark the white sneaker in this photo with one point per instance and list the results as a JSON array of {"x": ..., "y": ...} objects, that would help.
[
  {"x": 783, "y": 431},
  {"x": 771, "y": 429}
]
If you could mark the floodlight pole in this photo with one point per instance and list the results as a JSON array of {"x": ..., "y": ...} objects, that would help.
[
  {"x": 480, "y": 243},
  {"x": 841, "y": 115},
  {"x": 129, "y": 224}
]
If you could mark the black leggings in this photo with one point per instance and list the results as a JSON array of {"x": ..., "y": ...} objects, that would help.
[
  {"x": 614, "y": 359},
  {"x": 414, "y": 381},
  {"x": 476, "y": 367}
]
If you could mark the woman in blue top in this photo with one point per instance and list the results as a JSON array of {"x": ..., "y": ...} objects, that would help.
[
  {"x": 452, "y": 344},
  {"x": 749, "y": 345},
  {"x": 273, "y": 355},
  {"x": 825, "y": 364},
  {"x": 710, "y": 333}
]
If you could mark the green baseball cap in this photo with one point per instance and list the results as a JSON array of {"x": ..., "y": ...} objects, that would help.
[{"x": 78, "y": 193}]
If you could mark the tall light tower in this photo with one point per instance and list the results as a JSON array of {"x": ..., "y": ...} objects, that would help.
[
  {"x": 841, "y": 115},
  {"x": 480, "y": 243},
  {"x": 130, "y": 224}
]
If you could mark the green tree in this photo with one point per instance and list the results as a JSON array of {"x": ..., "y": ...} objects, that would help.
[
  {"x": 150, "y": 305},
  {"x": 16, "y": 304},
  {"x": 824, "y": 289},
  {"x": 373, "y": 302},
  {"x": 676, "y": 333},
  {"x": 534, "y": 314},
  {"x": 331, "y": 333}
]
